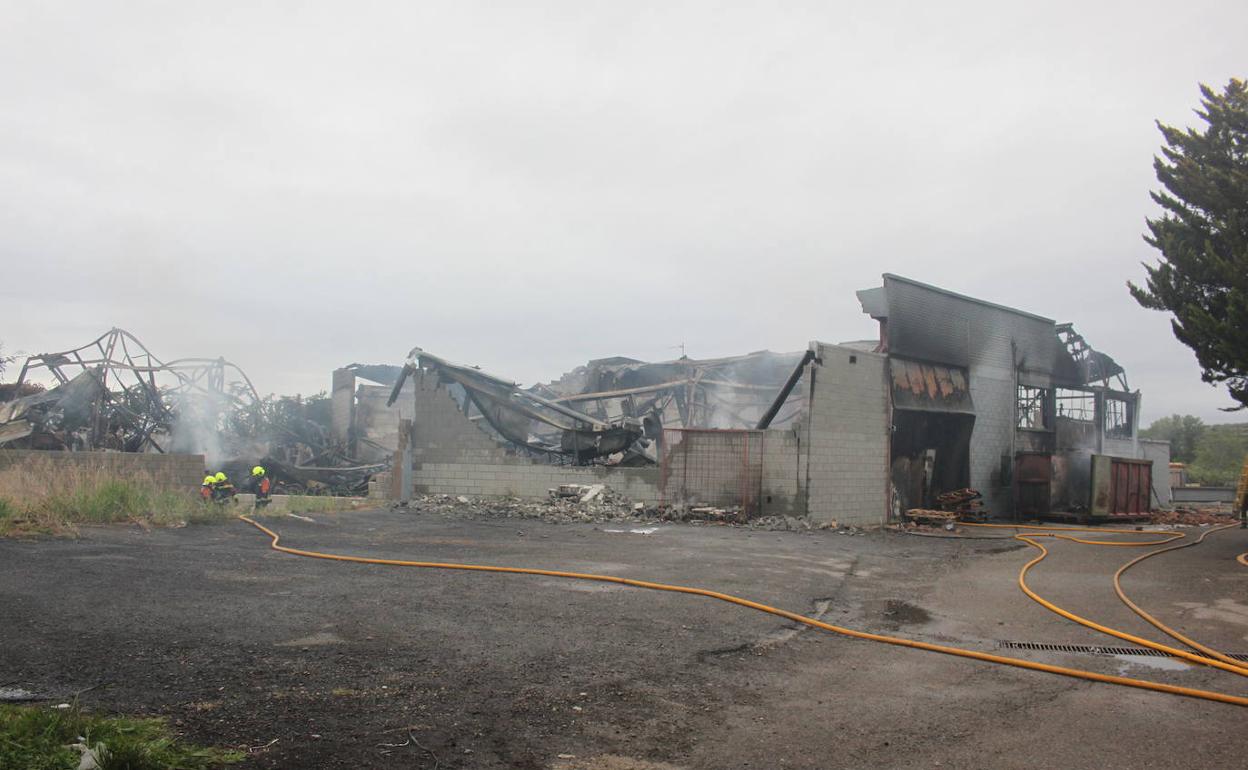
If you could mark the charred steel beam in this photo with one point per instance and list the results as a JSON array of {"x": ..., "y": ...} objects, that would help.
[
  {"x": 497, "y": 387},
  {"x": 765, "y": 421}
]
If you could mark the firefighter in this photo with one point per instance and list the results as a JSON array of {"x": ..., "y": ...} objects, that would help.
[
  {"x": 261, "y": 485},
  {"x": 205, "y": 489},
  {"x": 222, "y": 489}
]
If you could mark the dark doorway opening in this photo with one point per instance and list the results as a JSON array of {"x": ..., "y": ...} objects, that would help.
[{"x": 931, "y": 454}]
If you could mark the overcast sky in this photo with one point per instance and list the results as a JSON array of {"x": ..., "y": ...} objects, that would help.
[{"x": 299, "y": 186}]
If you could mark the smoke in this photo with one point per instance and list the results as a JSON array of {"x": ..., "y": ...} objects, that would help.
[{"x": 196, "y": 427}]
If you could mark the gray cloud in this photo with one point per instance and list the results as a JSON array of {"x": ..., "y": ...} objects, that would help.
[{"x": 300, "y": 185}]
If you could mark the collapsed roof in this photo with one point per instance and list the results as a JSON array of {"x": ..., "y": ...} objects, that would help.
[
  {"x": 614, "y": 410},
  {"x": 114, "y": 394}
]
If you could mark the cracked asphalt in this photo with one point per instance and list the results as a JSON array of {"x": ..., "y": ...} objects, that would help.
[{"x": 309, "y": 663}]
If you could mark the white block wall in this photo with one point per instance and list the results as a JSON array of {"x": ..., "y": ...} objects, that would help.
[{"x": 847, "y": 437}]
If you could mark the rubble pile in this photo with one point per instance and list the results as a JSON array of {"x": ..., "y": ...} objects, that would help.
[
  {"x": 598, "y": 503},
  {"x": 797, "y": 524},
  {"x": 604, "y": 505},
  {"x": 1193, "y": 517}
]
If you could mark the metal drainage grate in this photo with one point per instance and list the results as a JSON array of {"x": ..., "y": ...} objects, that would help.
[{"x": 1088, "y": 649}]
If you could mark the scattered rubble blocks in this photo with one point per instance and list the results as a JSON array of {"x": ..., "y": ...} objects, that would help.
[
  {"x": 1193, "y": 517},
  {"x": 598, "y": 503}
]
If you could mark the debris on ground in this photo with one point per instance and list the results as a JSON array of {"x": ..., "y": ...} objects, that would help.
[
  {"x": 599, "y": 503},
  {"x": 1193, "y": 517},
  {"x": 564, "y": 506}
]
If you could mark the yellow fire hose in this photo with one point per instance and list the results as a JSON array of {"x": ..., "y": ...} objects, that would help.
[
  {"x": 793, "y": 616},
  {"x": 1216, "y": 660},
  {"x": 1157, "y": 623}
]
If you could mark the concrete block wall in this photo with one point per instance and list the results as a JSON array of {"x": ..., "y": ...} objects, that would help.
[
  {"x": 342, "y": 405},
  {"x": 176, "y": 472},
  {"x": 453, "y": 456},
  {"x": 378, "y": 422},
  {"x": 846, "y": 438},
  {"x": 711, "y": 467},
  {"x": 784, "y": 474},
  {"x": 720, "y": 467}
]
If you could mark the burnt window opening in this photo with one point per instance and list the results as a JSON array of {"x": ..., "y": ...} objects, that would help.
[
  {"x": 1118, "y": 418},
  {"x": 1076, "y": 405},
  {"x": 1033, "y": 411}
]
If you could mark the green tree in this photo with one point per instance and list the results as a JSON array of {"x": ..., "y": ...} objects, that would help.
[
  {"x": 1202, "y": 234},
  {"x": 1220, "y": 455},
  {"x": 1182, "y": 431}
]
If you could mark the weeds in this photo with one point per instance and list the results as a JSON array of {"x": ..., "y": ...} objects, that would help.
[
  {"x": 28, "y": 504},
  {"x": 40, "y": 738}
]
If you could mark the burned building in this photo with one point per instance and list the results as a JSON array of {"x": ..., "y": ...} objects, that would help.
[
  {"x": 1010, "y": 403},
  {"x": 955, "y": 393}
]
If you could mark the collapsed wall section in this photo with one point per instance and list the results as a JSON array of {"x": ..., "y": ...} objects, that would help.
[{"x": 451, "y": 455}]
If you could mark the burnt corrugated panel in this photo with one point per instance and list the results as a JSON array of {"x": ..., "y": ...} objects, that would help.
[{"x": 929, "y": 387}]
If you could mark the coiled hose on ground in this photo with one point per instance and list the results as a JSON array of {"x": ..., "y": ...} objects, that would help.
[
  {"x": 1209, "y": 658},
  {"x": 795, "y": 617}
]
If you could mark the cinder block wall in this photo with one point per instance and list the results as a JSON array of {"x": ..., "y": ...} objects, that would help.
[
  {"x": 177, "y": 472},
  {"x": 784, "y": 474},
  {"x": 374, "y": 420},
  {"x": 342, "y": 405},
  {"x": 452, "y": 456},
  {"x": 719, "y": 467},
  {"x": 847, "y": 437}
]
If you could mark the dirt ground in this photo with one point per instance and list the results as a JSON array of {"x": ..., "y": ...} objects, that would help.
[{"x": 313, "y": 664}]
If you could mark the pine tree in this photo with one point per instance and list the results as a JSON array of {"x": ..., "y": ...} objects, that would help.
[{"x": 1202, "y": 277}]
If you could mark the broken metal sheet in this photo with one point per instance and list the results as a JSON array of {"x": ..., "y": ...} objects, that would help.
[
  {"x": 733, "y": 392},
  {"x": 115, "y": 394},
  {"x": 929, "y": 387},
  {"x": 614, "y": 409},
  {"x": 520, "y": 416}
]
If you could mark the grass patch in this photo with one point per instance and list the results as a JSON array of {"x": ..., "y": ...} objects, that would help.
[
  {"x": 29, "y": 504},
  {"x": 42, "y": 738},
  {"x": 324, "y": 504}
]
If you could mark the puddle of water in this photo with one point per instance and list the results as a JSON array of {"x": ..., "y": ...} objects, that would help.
[
  {"x": 16, "y": 694},
  {"x": 641, "y": 531},
  {"x": 1164, "y": 664}
]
